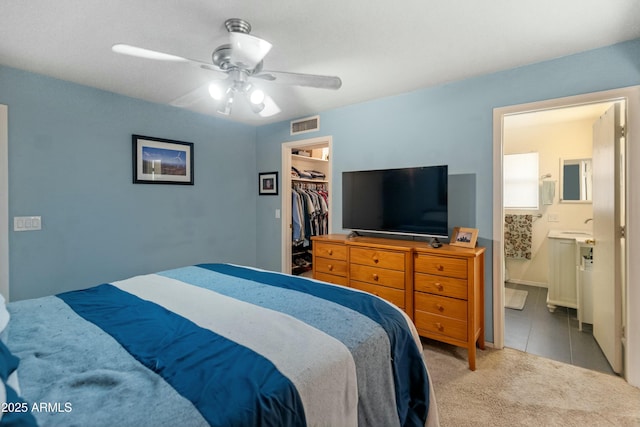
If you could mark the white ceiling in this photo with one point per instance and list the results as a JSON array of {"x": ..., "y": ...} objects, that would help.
[{"x": 378, "y": 48}]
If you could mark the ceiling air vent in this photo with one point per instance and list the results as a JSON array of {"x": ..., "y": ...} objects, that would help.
[{"x": 309, "y": 124}]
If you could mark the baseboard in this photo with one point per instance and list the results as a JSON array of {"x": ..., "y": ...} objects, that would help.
[{"x": 528, "y": 283}]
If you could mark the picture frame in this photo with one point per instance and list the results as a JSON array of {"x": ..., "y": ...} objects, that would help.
[
  {"x": 464, "y": 237},
  {"x": 161, "y": 161},
  {"x": 268, "y": 183}
]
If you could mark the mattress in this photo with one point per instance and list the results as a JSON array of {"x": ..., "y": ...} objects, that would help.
[{"x": 218, "y": 345}]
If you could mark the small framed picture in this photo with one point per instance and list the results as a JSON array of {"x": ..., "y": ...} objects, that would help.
[
  {"x": 162, "y": 161},
  {"x": 268, "y": 183},
  {"x": 465, "y": 237}
]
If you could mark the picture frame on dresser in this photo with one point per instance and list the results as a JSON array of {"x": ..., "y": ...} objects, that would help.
[
  {"x": 268, "y": 183},
  {"x": 161, "y": 161},
  {"x": 464, "y": 237}
]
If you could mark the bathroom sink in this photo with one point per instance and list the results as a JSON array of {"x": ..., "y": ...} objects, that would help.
[
  {"x": 575, "y": 233},
  {"x": 570, "y": 234}
]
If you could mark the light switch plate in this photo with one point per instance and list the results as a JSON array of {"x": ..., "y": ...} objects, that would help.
[{"x": 27, "y": 223}]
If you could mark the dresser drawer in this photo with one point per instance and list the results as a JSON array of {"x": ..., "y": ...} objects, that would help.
[
  {"x": 377, "y": 276},
  {"x": 336, "y": 280},
  {"x": 441, "y": 285},
  {"x": 448, "y": 307},
  {"x": 441, "y": 266},
  {"x": 377, "y": 258},
  {"x": 440, "y": 325},
  {"x": 330, "y": 250},
  {"x": 330, "y": 266},
  {"x": 392, "y": 295}
]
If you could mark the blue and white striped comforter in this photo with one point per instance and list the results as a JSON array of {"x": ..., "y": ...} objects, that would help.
[{"x": 220, "y": 345}]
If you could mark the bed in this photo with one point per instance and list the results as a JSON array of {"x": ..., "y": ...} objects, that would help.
[{"x": 213, "y": 344}]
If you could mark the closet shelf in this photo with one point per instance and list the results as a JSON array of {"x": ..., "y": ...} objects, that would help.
[
  {"x": 319, "y": 181},
  {"x": 315, "y": 159}
]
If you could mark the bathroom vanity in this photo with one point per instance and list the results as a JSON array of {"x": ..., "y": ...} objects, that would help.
[{"x": 570, "y": 266}]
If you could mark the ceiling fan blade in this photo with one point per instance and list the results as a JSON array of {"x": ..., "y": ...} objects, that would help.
[
  {"x": 190, "y": 98},
  {"x": 270, "y": 107},
  {"x": 298, "y": 79},
  {"x": 140, "y": 52}
]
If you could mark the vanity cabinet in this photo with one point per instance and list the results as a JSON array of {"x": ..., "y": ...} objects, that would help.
[
  {"x": 562, "y": 273},
  {"x": 584, "y": 272}
]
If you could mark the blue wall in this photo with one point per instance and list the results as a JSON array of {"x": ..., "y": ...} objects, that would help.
[
  {"x": 449, "y": 124},
  {"x": 70, "y": 162}
]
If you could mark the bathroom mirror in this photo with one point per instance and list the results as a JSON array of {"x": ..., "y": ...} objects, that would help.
[{"x": 575, "y": 180}]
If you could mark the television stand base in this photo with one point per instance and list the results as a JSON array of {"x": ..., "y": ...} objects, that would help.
[
  {"x": 353, "y": 234},
  {"x": 435, "y": 243}
]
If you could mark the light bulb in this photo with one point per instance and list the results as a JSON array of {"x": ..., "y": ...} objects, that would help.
[
  {"x": 216, "y": 91},
  {"x": 257, "y": 97}
]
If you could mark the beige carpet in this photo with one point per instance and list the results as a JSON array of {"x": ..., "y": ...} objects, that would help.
[{"x": 512, "y": 388}]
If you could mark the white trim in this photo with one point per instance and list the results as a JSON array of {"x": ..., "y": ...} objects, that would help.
[
  {"x": 632, "y": 97},
  {"x": 4, "y": 201},
  {"x": 285, "y": 219}
]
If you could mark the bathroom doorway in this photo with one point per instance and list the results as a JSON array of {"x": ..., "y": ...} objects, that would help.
[
  {"x": 551, "y": 318},
  {"x": 552, "y": 215}
]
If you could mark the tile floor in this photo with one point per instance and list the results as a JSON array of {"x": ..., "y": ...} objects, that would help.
[{"x": 552, "y": 335}]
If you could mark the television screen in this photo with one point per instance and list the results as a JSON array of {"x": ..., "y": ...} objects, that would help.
[{"x": 410, "y": 201}]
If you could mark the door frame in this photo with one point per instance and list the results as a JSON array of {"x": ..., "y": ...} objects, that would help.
[
  {"x": 286, "y": 220},
  {"x": 4, "y": 201},
  {"x": 631, "y": 95}
]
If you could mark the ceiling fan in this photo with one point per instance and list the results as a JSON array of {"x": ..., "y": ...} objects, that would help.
[{"x": 235, "y": 65}]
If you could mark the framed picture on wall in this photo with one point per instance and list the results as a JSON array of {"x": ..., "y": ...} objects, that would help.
[
  {"x": 268, "y": 183},
  {"x": 162, "y": 161},
  {"x": 464, "y": 237}
]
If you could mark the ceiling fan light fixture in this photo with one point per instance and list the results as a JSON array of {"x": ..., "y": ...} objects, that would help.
[
  {"x": 257, "y": 97},
  {"x": 218, "y": 91},
  {"x": 247, "y": 50},
  {"x": 225, "y": 108}
]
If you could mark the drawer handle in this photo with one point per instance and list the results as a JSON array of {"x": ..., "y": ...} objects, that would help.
[
  {"x": 375, "y": 259},
  {"x": 440, "y": 307},
  {"x": 330, "y": 266},
  {"x": 439, "y": 326},
  {"x": 375, "y": 277},
  {"x": 440, "y": 267},
  {"x": 330, "y": 251},
  {"x": 440, "y": 287}
]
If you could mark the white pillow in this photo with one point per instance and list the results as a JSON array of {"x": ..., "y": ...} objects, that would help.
[
  {"x": 13, "y": 382},
  {"x": 4, "y": 314}
]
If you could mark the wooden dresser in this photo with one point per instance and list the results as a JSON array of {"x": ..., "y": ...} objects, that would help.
[
  {"x": 383, "y": 269},
  {"x": 330, "y": 259},
  {"x": 441, "y": 290},
  {"x": 449, "y": 296}
]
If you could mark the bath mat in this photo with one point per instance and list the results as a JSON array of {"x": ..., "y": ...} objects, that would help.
[{"x": 515, "y": 298}]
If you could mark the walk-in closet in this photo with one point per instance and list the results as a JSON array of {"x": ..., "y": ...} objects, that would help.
[{"x": 309, "y": 203}]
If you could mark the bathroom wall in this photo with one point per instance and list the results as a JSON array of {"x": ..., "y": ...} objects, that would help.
[{"x": 552, "y": 141}]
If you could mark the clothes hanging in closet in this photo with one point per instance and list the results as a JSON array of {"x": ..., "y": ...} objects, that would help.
[{"x": 310, "y": 212}]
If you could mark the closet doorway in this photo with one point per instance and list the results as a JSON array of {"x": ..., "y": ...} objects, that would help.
[
  {"x": 630, "y": 295},
  {"x": 315, "y": 154}
]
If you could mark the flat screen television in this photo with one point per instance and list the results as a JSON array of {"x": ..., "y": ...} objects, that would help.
[{"x": 409, "y": 201}]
